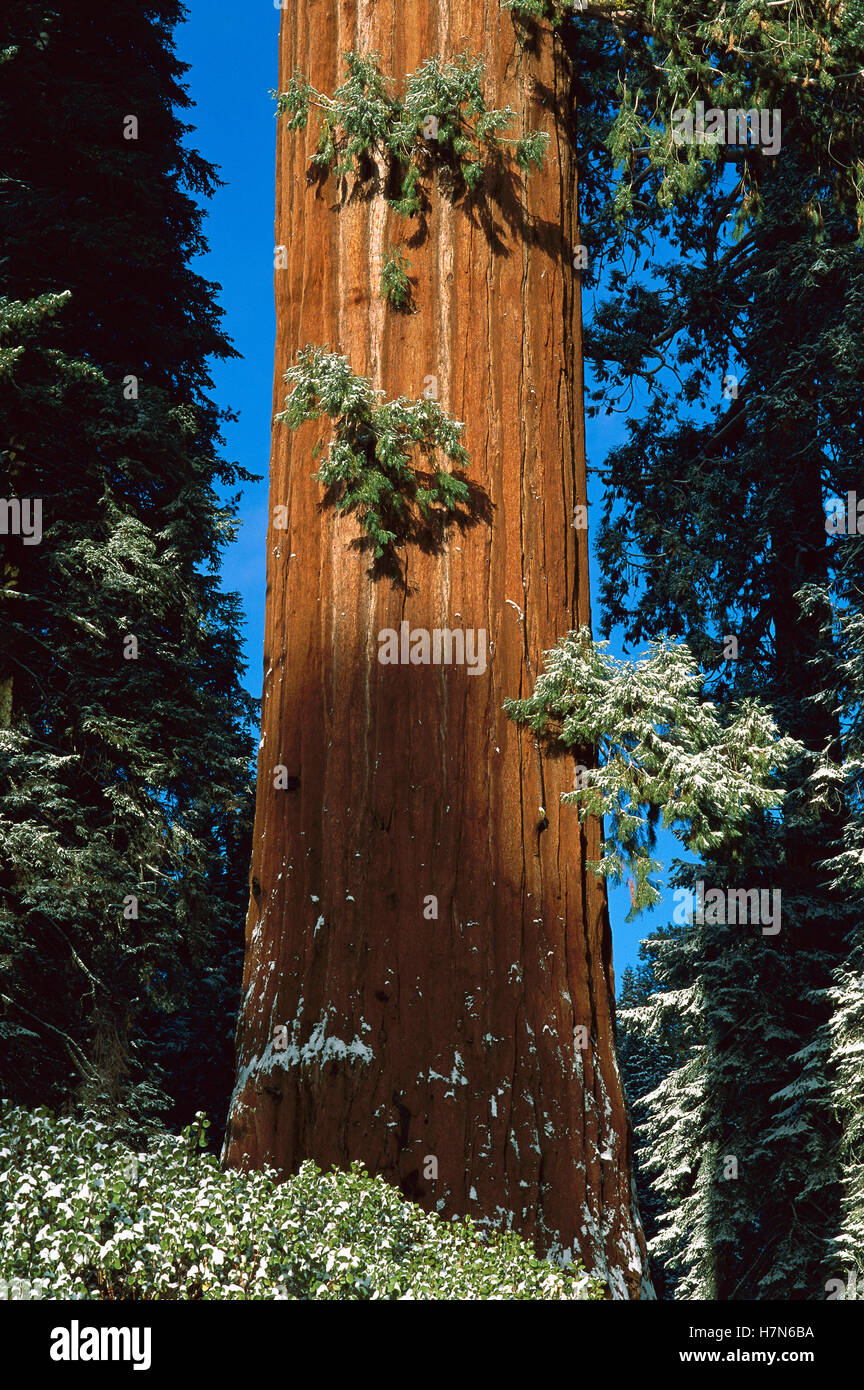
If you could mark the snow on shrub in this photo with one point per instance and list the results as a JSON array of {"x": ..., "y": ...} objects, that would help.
[{"x": 82, "y": 1216}]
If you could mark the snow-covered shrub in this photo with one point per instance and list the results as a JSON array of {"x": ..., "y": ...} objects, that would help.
[{"x": 82, "y": 1216}]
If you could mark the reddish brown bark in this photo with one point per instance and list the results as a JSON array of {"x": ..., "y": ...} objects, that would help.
[{"x": 453, "y": 1037}]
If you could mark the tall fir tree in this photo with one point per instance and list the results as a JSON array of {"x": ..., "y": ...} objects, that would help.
[
  {"x": 844, "y": 695},
  {"x": 124, "y": 786},
  {"x": 750, "y": 349},
  {"x": 647, "y": 1057}
]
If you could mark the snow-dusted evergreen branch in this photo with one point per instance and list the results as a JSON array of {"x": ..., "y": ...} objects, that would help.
[{"x": 662, "y": 750}]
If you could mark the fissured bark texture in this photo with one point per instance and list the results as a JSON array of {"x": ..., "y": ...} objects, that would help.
[{"x": 412, "y": 1038}]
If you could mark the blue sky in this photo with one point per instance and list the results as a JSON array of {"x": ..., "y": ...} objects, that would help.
[{"x": 233, "y": 70}]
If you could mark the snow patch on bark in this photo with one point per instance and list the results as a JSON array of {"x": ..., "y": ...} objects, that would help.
[
  {"x": 456, "y": 1077},
  {"x": 321, "y": 1047}
]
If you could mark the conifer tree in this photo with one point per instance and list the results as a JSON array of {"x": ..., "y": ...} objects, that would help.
[
  {"x": 647, "y": 1057},
  {"x": 844, "y": 693},
  {"x": 125, "y": 733},
  {"x": 745, "y": 340}
]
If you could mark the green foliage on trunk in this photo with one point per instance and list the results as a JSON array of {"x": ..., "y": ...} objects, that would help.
[
  {"x": 369, "y": 467},
  {"x": 395, "y": 284},
  {"x": 442, "y": 122}
]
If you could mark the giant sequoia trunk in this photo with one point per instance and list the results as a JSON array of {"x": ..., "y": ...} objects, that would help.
[{"x": 480, "y": 1038}]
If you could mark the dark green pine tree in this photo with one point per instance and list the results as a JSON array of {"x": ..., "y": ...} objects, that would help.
[
  {"x": 647, "y": 1054},
  {"x": 845, "y": 694},
  {"x": 125, "y": 741},
  {"x": 715, "y": 526}
]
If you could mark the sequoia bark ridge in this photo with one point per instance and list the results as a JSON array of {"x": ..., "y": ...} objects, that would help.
[{"x": 483, "y": 1038}]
